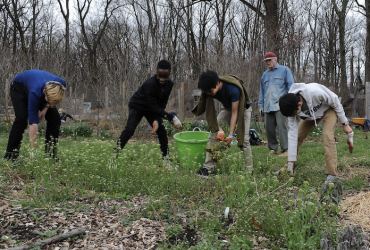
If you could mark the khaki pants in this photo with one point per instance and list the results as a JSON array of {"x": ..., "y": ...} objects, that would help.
[
  {"x": 329, "y": 122},
  {"x": 224, "y": 117}
]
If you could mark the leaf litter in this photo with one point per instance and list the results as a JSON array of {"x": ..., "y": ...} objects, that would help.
[{"x": 109, "y": 223}]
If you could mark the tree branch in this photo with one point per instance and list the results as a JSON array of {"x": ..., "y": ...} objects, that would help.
[{"x": 52, "y": 240}]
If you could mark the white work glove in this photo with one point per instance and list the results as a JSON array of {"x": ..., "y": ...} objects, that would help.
[
  {"x": 176, "y": 122},
  {"x": 155, "y": 127},
  {"x": 350, "y": 142},
  {"x": 229, "y": 139}
]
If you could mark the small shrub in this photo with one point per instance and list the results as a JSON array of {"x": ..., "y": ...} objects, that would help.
[
  {"x": 356, "y": 181},
  {"x": 83, "y": 130},
  {"x": 66, "y": 131},
  {"x": 175, "y": 231},
  {"x": 5, "y": 127},
  {"x": 80, "y": 129}
]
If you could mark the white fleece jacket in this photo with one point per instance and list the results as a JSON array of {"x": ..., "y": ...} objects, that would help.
[{"x": 319, "y": 99}]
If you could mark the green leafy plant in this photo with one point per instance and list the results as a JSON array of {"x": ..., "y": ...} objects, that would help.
[
  {"x": 217, "y": 150},
  {"x": 50, "y": 233},
  {"x": 36, "y": 217},
  {"x": 77, "y": 129},
  {"x": 355, "y": 181},
  {"x": 173, "y": 232}
]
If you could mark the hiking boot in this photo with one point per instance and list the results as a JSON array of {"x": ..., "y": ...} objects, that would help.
[
  {"x": 288, "y": 168},
  {"x": 11, "y": 156},
  {"x": 204, "y": 173},
  {"x": 284, "y": 153}
]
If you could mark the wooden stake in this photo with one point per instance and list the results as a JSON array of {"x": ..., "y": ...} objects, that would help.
[
  {"x": 182, "y": 102},
  {"x": 70, "y": 101},
  {"x": 123, "y": 101},
  {"x": 106, "y": 103},
  {"x": 7, "y": 94},
  {"x": 160, "y": 220},
  {"x": 367, "y": 101}
]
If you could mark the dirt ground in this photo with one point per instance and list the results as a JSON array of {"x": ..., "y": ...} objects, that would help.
[{"x": 111, "y": 223}]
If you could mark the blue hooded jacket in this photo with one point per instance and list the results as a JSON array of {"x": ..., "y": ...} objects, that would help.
[{"x": 35, "y": 81}]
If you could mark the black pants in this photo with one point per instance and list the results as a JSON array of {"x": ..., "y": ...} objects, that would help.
[
  {"x": 134, "y": 119},
  {"x": 19, "y": 96}
]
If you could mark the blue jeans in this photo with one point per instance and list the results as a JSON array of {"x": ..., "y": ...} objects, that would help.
[{"x": 134, "y": 118}]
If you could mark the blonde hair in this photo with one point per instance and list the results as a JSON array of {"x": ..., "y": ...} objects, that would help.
[{"x": 54, "y": 92}]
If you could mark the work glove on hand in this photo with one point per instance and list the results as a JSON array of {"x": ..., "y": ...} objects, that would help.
[
  {"x": 350, "y": 142},
  {"x": 262, "y": 113},
  {"x": 155, "y": 127},
  {"x": 288, "y": 168},
  {"x": 176, "y": 122},
  {"x": 229, "y": 139},
  {"x": 220, "y": 135}
]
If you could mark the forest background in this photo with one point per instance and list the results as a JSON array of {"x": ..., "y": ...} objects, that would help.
[{"x": 94, "y": 44}]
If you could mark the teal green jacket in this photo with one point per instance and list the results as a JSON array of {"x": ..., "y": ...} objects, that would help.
[{"x": 206, "y": 104}]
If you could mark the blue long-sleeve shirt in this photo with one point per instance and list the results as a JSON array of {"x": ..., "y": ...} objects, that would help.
[
  {"x": 35, "y": 80},
  {"x": 274, "y": 84}
]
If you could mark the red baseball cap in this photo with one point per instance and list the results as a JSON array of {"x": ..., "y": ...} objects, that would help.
[{"x": 269, "y": 55}]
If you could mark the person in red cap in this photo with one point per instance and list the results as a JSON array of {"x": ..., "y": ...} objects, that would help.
[{"x": 275, "y": 82}]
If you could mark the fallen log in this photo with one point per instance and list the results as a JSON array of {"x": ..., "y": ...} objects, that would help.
[{"x": 52, "y": 240}]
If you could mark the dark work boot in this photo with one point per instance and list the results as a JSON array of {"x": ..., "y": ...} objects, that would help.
[{"x": 11, "y": 156}]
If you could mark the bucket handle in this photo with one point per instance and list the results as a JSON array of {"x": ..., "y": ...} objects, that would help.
[
  {"x": 193, "y": 140},
  {"x": 197, "y": 128}
]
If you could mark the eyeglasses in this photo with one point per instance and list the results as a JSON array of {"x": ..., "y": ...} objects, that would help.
[{"x": 267, "y": 60}]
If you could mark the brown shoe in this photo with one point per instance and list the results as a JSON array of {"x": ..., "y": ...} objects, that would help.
[
  {"x": 284, "y": 153},
  {"x": 274, "y": 152}
]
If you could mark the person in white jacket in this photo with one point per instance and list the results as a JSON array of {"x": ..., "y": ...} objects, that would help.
[{"x": 307, "y": 105}]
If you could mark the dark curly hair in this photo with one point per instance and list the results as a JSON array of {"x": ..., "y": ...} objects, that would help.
[
  {"x": 208, "y": 80},
  {"x": 289, "y": 104}
]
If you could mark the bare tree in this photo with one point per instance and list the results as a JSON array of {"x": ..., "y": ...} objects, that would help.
[
  {"x": 341, "y": 13},
  {"x": 65, "y": 13},
  {"x": 366, "y": 12},
  {"x": 17, "y": 13}
]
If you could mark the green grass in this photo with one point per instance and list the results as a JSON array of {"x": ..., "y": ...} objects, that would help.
[{"x": 284, "y": 210}]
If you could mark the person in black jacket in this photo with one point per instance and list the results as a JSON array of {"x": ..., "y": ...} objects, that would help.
[
  {"x": 150, "y": 101},
  {"x": 64, "y": 115}
]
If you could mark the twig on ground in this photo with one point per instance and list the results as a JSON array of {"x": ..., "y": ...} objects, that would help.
[
  {"x": 160, "y": 220},
  {"x": 52, "y": 240}
]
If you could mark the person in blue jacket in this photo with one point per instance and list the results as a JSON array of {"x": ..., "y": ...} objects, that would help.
[
  {"x": 34, "y": 94},
  {"x": 275, "y": 82}
]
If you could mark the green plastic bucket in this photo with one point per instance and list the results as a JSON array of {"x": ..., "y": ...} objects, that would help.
[{"x": 191, "y": 147}]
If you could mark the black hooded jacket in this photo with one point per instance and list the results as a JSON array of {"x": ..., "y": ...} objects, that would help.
[{"x": 153, "y": 97}]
